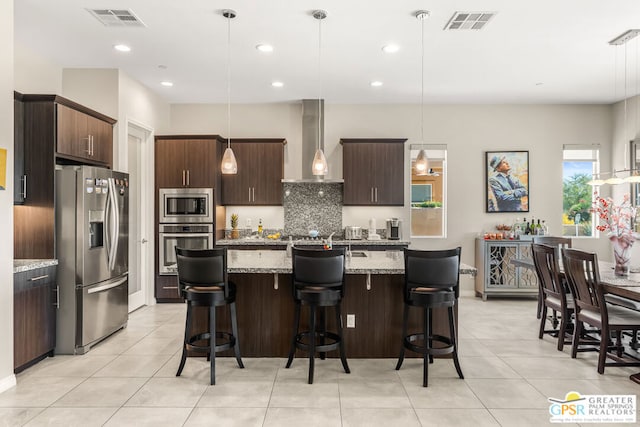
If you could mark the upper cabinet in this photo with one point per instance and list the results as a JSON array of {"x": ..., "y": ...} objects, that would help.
[
  {"x": 82, "y": 136},
  {"x": 187, "y": 161},
  {"x": 260, "y": 173},
  {"x": 373, "y": 171},
  {"x": 49, "y": 120}
]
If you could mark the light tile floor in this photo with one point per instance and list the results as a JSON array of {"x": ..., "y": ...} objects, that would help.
[{"x": 129, "y": 380}]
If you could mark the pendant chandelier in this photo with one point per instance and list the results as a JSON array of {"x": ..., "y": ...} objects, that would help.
[
  {"x": 229, "y": 164},
  {"x": 319, "y": 166},
  {"x": 422, "y": 162}
]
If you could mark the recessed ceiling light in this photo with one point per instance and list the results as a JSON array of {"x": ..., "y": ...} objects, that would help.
[
  {"x": 122, "y": 48},
  {"x": 166, "y": 83},
  {"x": 376, "y": 83},
  {"x": 277, "y": 84},
  {"x": 265, "y": 48},
  {"x": 390, "y": 48}
]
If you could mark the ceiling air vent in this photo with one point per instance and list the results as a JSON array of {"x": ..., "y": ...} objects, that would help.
[
  {"x": 116, "y": 17},
  {"x": 469, "y": 20}
]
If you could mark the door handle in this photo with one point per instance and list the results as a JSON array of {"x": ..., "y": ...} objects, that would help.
[
  {"x": 91, "y": 144},
  {"x": 376, "y": 194},
  {"x": 183, "y": 178},
  {"x": 88, "y": 150},
  {"x": 107, "y": 286},
  {"x": 249, "y": 193},
  {"x": 188, "y": 177},
  {"x": 371, "y": 194},
  {"x": 253, "y": 191},
  {"x": 143, "y": 241},
  {"x": 33, "y": 279}
]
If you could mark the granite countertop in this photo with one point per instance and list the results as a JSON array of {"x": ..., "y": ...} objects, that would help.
[
  {"x": 20, "y": 265},
  {"x": 280, "y": 242},
  {"x": 267, "y": 261}
]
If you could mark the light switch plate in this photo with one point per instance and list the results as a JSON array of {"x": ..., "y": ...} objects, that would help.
[{"x": 351, "y": 320}]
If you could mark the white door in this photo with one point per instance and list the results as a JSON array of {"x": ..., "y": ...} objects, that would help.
[{"x": 139, "y": 144}]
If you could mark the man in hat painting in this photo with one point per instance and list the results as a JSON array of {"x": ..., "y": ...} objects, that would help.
[{"x": 507, "y": 189}]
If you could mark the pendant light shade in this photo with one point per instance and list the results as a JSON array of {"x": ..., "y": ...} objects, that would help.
[
  {"x": 229, "y": 164},
  {"x": 319, "y": 165},
  {"x": 422, "y": 164}
]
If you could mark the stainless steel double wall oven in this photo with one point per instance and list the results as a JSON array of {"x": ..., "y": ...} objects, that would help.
[{"x": 186, "y": 220}]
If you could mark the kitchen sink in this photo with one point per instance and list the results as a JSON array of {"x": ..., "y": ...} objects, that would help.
[{"x": 358, "y": 254}]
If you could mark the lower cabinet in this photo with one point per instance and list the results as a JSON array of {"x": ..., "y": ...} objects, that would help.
[
  {"x": 497, "y": 275},
  {"x": 35, "y": 302}
]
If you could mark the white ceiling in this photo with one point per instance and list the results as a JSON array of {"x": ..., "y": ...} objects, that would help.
[{"x": 542, "y": 51}]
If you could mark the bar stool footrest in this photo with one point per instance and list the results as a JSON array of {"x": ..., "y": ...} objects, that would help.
[
  {"x": 435, "y": 351},
  {"x": 230, "y": 342},
  {"x": 319, "y": 348}
]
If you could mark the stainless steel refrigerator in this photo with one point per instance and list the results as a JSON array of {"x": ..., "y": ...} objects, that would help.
[{"x": 92, "y": 247}]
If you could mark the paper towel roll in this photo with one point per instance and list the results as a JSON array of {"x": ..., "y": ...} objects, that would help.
[{"x": 372, "y": 223}]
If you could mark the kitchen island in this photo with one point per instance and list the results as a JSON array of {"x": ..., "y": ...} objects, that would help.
[{"x": 373, "y": 294}]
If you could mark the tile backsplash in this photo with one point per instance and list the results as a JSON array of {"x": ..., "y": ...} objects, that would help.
[{"x": 312, "y": 205}]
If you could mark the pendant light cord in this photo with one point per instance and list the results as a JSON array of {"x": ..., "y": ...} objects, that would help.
[
  {"x": 319, "y": 81},
  {"x": 229, "y": 81},
  {"x": 422, "y": 87}
]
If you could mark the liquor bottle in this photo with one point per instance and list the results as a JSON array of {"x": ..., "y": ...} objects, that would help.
[
  {"x": 545, "y": 228},
  {"x": 538, "y": 228},
  {"x": 260, "y": 227},
  {"x": 289, "y": 247},
  {"x": 527, "y": 230}
]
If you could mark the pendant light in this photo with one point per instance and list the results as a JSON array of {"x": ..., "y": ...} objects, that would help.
[
  {"x": 422, "y": 162},
  {"x": 319, "y": 166},
  {"x": 229, "y": 164}
]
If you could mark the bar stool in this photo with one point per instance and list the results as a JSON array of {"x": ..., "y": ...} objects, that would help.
[
  {"x": 203, "y": 281},
  {"x": 318, "y": 281},
  {"x": 431, "y": 280}
]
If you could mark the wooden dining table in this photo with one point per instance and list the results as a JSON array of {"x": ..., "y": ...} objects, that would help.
[{"x": 625, "y": 286}]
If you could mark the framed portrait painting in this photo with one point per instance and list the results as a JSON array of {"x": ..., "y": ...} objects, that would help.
[{"x": 507, "y": 181}]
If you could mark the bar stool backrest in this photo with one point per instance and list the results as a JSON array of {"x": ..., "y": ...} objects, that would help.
[
  {"x": 202, "y": 268},
  {"x": 432, "y": 269},
  {"x": 581, "y": 269},
  {"x": 318, "y": 267}
]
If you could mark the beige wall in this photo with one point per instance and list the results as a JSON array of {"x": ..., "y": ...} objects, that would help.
[
  {"x": 96, "y": 88},
  {"x": 7, "y": 379},
  {"x": 468, "y": 131},
  {"x": 34, "y": 74}
]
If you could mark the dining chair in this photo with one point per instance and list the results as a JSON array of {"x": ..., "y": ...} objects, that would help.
[
  {"x": 554, "y": 293},
  {"x": 581, "y": 269},
  {"x": 560, "y": 243}
]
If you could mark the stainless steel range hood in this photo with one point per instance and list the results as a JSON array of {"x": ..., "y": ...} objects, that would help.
[{"x": 312, "y": 118}]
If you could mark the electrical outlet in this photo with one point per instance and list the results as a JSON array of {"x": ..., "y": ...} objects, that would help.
[{"x": 351, "y": 320}]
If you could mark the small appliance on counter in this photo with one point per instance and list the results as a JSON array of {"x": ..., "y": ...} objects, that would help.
[
  {"x": 394, "y": 229},
  {"x": 372, "y": 235},
  {"x": 352, "y": 232}
]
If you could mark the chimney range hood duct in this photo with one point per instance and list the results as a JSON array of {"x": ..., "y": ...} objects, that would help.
[{"x": 312, "y": 117}]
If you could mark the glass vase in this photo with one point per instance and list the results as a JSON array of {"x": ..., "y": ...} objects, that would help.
[{"x": 622, "y": 255}]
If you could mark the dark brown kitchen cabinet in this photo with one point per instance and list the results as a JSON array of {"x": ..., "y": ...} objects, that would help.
[
  {"x": 260, "y": 173},
  {"x": 19, "y": 178},
  {"x": 34, "y": 219},
  {"x": 187, "y": 161},
  {"x": 373, "y": 171},
  {"x": 35, "y": 300},
  {"x": 83, "y": 137}
]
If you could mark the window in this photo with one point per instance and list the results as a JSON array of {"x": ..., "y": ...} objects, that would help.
[
  {"x": 428, "y": 193},
  {"x": 579, "y": 164}
]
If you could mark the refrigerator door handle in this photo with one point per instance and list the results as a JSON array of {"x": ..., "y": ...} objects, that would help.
[
  {"x": 108, "y": 234},
  {"x": 115, "y": 223},
  {"x": 108, "y": 286}
]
